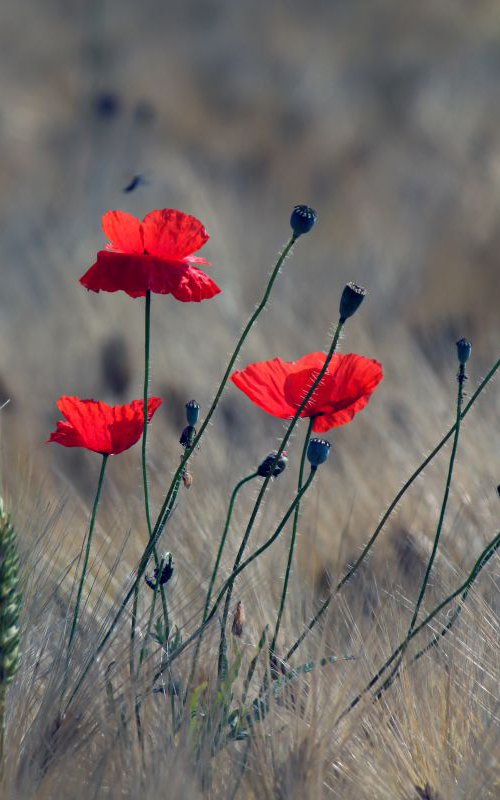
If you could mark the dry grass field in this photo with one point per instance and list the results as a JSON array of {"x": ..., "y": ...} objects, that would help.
[{"x": 383, "y": 116}]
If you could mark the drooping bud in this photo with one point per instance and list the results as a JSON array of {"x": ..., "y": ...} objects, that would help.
[
  {"x": 270, "y": 468},
  {"x": 317, "y": 452},
  {"x": 238, "y": 619},
  {"x": 162, "y": 573},
  {"x": 352, "y": 297},
  {"x": 188, "y": 436},
  {"x": 464, "y": 348},
  {"x": 303, "y": 219},
  {"x": 192, "y": 412}
]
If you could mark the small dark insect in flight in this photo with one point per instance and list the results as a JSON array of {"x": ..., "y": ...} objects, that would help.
[{"x": 137, "y": 180}]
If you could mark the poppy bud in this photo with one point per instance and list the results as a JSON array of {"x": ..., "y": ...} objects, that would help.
[
  {"x": 272, "y": 468},
  {"x": 464, "y": 348},
  {"x": 192, "y": 412},
  {"x": 302, "y": 220},
  {"x": 188, "y": 436},
  {"x": 161, "y": 574},
  {"x": 352, "y": 297},
  {"x": 238, "y": 619},
  {"x": 317, "y": 452}
]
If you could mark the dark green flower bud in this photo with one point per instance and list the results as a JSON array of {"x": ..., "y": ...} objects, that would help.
[
  {"x": 352, "y": 297},
  {"x": 302, "y": 220},
  {"x": 317, "y": 452},
  {"x": 162, "y": 573},
  {"x": 188, "y": 436},
  {"x": 272, "y": 468},
  {"x": 192, "y": 412},
  {"x": 464, "y": 348}
]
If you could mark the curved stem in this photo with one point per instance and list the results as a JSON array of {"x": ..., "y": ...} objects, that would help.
[
  {"x": 235, "y": 574},
  {"x": 165, "y": 512},
  {"x": 238, "y": 567},
  {"x": 87, "y": 554},
  {"x": 147, "y": 361},
  {"x": 294, "y": 537},
  {"x": 148, "y": 631},
  {"x": 248, "y": 327},
  {"x": 265, "y": 484},
  {"x": 323, "y": 608},
  {"x": 481, "y": 562},
  {"x": 423, "y": 587},
  {"x": 215, "y": 570}
]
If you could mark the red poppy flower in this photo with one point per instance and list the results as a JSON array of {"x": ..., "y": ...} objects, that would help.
[
  {"x": 280, "y": 386},
  {"x": 153, "y": 255},
  {"x": 104, "y": 429}
]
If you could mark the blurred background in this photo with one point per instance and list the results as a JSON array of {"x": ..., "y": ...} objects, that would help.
[{"x": 382, "y": 115}]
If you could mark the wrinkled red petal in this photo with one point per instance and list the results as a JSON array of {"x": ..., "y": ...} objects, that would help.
[
  {"x": 99, "y": 427},
  {"x": 193, "y": 285},
  {"x": 264, "y": 383},
  {"x": 124, "y": 231},
  {"x": 344, "y": 390},
  {"x": 128, "y": 423},
  {"x": 66, "y": 435},
  {"x": 279, "y": 387},
  {"x": 172, "y": 234},
  {"x": 136, "y": 274}
]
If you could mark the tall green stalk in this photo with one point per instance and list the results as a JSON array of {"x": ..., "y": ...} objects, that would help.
[
  {"x": 326, "y": 603},
  {"x": 293, "y": 539},
  {"x": 425, "y": 581},
  {"x": 161, "y": 520},
  {"x": 260, "y": 497},
  {"x": 87, "y": 556},
  {"x": 147, "y": 367},
  {"x": 488, "y": 552},
  {"x": 169, "y": 501},
  {"x": 215, "y": 571},
  {"x": 230, "y": 580}
]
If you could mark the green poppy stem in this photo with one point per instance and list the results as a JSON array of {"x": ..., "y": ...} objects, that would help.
[
  {"x": 215, "y": 571},
  {"x": 260, "y": 497},
  {"x": 293, "y": 539},
  {"x": 147, "y": 362},
  {"x": 230, "y": 580},
  {"x": 169, "y": 501},
  {"x": 348, "y": 575},
  {"x": 481, "y": 562},
  {"x": 461, "y": 379},
  {"x": 87, "y": 556}
]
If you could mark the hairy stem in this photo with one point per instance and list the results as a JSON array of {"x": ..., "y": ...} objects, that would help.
[
  {"x": 425, "y": 581},
  {"x": 260, "y": 497},
  {"x": 215, "y": 570},
  {"x": 176, "y": 480},
  {"x": 87, "y": 556},
  {"x": 481, "y": 562},
  {"x": 325, "y": 605},
  {"x": 293, "y": 539}
]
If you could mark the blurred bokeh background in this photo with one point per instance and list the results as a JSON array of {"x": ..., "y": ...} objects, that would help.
[{"x": 383, "y": 115}]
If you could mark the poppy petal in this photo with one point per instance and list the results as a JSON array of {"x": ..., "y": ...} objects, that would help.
[
  {"x": 171, "y": 234},
  {"x": 264, "y": 383},
  {"x": 105, "y": 429},
  {"x": 91, "y": 419},
  {"x": 66, "y": 435},
  {"x": 136, "y": 274},
  {"x": 128, "y": 423},
  {"x": 124, "y": 232},
  {"x": 192, "y": 285},
  {"x": 344, "y": 390}
]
